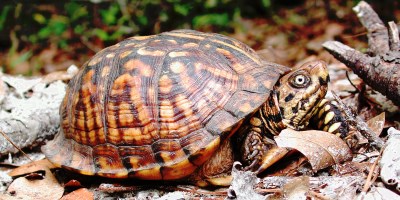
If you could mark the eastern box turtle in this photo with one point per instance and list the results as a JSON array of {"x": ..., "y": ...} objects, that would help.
[{"x": 164, "y": 107}]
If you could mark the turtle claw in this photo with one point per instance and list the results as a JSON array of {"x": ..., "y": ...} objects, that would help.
[{"x": 272, "y": 156}]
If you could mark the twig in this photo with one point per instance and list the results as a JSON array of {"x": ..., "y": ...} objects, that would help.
[
  {"x": 12, "y": 143},
  {"x": 361, "y": 126},
  {"x": 370, "y": 178}
]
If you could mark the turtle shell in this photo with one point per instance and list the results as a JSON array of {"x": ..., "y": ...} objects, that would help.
[{"x": 157, "y": 107}]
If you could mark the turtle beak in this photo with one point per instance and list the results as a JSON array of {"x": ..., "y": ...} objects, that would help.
[{"x": 320, "y": 69}]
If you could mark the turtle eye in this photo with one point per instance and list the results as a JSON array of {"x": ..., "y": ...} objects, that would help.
[{"x": 299, "y": 81}]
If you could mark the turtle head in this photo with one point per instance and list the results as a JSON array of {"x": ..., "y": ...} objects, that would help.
[{"x": 298, "y": 93}]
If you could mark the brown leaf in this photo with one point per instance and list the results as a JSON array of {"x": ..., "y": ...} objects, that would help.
[
  {"x": 73, "y": 183},
  {"x": 322, "y": 149},
  {"x": 82, "y": 193},
  {"x": 297, "y": 188},
  {"x": 31, "y": 167},
  {"x": 47, "y": 188},
  {"x": 377, "y": 123}
]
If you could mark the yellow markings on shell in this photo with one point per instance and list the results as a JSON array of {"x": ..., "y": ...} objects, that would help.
[
  {"x": 172, "y": 41},
  {"x": 246, "y": 107},
  {"x": 256, "y": 60},
  {"x": 120, "y": 82},
  {"x": 184, "y": 104},
  {"x": 184, "y": 35},
  {"x": 329, "y": 117},
  {"x": 95, "y": 60},
  {"x": 110, "y": 55},
  {"x": 334, "y": 127},
  {"x": 124, "y": 54},
  {"x": 144, "y": 68},
  {"x": 113, "y": 135},
  {"x": 148, "y": 174},
  {"x": 142, "y": 51},
  {"x": 177, "y": 67},
  {"x": 145, "y": 37},
  {"x": 198, "y": 66},
  {"x": 207, "y": 46},
  {"x": 239, "y": 68},
  {"x": 96, "y": 137},
  {"x": 224, "y": 52},
  {"x": 166, "y": 109},
  {"x": 268, "y": 83},
  {"x": 255, "y": 121},
  {"x": 105, "y": 71},
  {"x": 165, "y": 84},
  {"x": 132, "y": 133},
  {"x": 175, "y": 54},
  {"x": 178, "y": 170},
  {"x": 190, "y": 45}
]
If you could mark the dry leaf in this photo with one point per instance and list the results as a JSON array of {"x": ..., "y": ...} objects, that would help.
[
  {"x": 31, "y": 167},
  {"x": 377, "y": 123},
  {"x": 81, "y": 194},
  {"x": 322, "y": 149},
  {"x": 47, "y": 188},
  {"x": 297, "y": 188}
]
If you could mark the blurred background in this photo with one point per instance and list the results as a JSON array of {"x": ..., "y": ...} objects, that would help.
[{"x": 42, "y": 37}]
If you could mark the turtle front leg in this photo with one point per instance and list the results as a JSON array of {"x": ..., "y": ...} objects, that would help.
[{"x": 259, "y": 152}]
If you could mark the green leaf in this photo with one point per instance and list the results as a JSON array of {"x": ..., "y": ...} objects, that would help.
[
  {"x": 103, "y": 35},
  {"x": 79, "y": 29},
  {"x": 182, "y": 9},
  {"x": 3, "y": 16},
  {"x": 211, "y": 19},
  {"x": 109, "y": 16},
  {"x": 39, "y": 18},
  {"x": 76, "y": 11}
]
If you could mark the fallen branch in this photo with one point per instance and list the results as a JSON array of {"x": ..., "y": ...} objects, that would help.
[
  {"x": 29, "y": 110},
  {"x": 381, "y": 68}
]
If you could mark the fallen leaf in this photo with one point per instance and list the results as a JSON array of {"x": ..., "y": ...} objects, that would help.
[
  {"x": 82, "y": 194},
  {"x": 297, "y": 188},
  {"x": 322, "y": 149},
  {"x": 31, "y": 167},
  {"x": 73, "y": 183},
  {"x": 377, "y": 123},
  {"x": 47, "y": 188}
]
